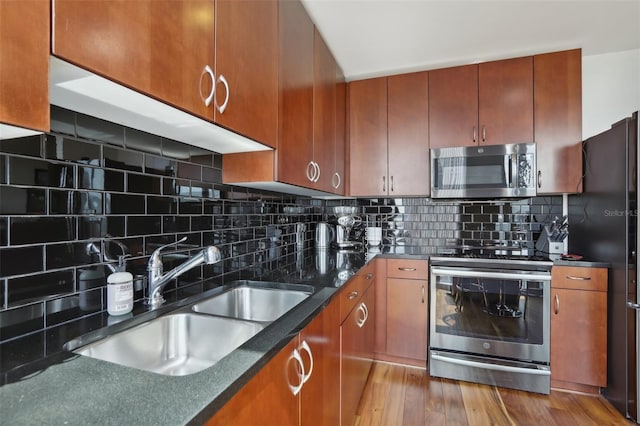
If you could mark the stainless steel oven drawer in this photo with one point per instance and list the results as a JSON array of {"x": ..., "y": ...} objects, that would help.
[{"x": 490, "y": 371}]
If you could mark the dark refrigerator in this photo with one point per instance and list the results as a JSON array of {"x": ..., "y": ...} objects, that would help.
[{"x": 603, "y": 223}]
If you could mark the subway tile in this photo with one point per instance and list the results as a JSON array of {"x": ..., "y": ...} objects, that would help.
[
  {"x": 161, "y": 205},
  {"x": 213, "y": 207},
  {"x": 143, "y": 184},
  {"x": 174, "y": 224},
  {"x": 193, "y": 239},
  {"x": 92, "y": 227},
  {"x": 66, "y": 255},
  {"x": 176, "y": 187},
  {"x": 20, "y": 260},
  {"x": 64, "y": 309},
  {"x": 201, "y": 223},
  {"x": 100, "y": 179},
  {"x": 142, "y": 141},
  {"x": 133, "y": 246},
  {"x": 190, "y": 206},
  {"x": 63, "y": 121},
  {"x": 20, "y": 321},
  {"x": 95, "y": 129},
  {"x": 41, "y": 230},
  {"x": 124, "y": 204},
  {"x": 4, "y": 231},
  {"x": 153, "y": 242},
  {"x": 67, "y": 149},
  {"x": 22, "y": 201},
  {"x": 176, "y": 150},
  {"x": 21, "y": 290},
  {"x": 115, "y": 158},
  {"x": 3, "y": 169},
  {"x": 23, "y": 171},
  {"x": 202, "y": 190},
  {"x": 28, "y": 146},
  {"x": 189, "y": 171},
  {"x": 159, "y": 166},
  {"x": 217, "y": 161},
  {"x": 144, "y": 225}
]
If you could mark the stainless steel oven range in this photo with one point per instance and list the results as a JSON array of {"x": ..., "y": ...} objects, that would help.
[{"x": 489, "y": 321}]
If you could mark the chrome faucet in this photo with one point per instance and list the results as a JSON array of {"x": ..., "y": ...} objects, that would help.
[{"x": 156, "y": 280}]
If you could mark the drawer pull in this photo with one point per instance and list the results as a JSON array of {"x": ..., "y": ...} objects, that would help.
[
  {"x": 370, "y": 276},
  {"x": 573, "y": 277},
  {"x": 407, "y": 269},
  {"x": 352, "y": 295},
  {"x": 422, "y": 293},
  {"x": 557, "y": 307}
]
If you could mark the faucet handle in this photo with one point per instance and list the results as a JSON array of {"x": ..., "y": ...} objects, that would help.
[{"x": 155, "y": 256}]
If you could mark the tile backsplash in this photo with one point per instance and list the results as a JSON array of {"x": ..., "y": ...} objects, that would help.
[{"x": 74, "y": 199}]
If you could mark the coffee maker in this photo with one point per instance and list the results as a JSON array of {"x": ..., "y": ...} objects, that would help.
[{"x": 346, "y": 219}]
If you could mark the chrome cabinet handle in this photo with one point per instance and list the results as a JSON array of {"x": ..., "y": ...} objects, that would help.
[
  {"x": 422, "y": 293},
  {"x": 407, "y": 269},
  {"x": 384, "y": 186},
  {"x": 475, "y": 135},
  {"x": 207, "y": 71},
  {"x": 295, "y": 356},
  {"x": 305, "y": 347},
  {"x": 222, "y": 107},
  {"x": 369, "y": 276},
  {"x": 539, "y": 179},
  {"x": 366, "y": 311},
  {"x": 352, "y": 295},
  {"x": 391, "y": 183},
  {"x": 361, "y": 320},
  {"x": 573, "y": 277},
  {"x": 556, "y": 310},
  {"x": 311, "y": 171},
  {"x": 484, "y": 134},
  {"x": 336, "y": 181},
  {"x": 632, "y": 305},
  {"x": 317, "y": 167}
]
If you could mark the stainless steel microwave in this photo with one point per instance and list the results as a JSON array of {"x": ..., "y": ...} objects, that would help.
[{"x": 491, "y": 171}]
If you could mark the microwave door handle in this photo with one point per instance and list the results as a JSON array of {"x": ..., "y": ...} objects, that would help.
[{"x": 507, "y": 169}]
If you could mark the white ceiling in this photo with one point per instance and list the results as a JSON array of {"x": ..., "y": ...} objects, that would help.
[{"x": 371, "y": 38}]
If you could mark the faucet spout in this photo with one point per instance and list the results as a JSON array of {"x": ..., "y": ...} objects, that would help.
[{"x": 157, "y": 280}]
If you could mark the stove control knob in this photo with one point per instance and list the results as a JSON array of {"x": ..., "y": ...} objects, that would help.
[{"x": 486, "y": 345}]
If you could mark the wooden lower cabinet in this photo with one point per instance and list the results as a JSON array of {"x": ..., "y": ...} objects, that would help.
[
  {"x": 267, "y": 398},
  {"x": 357, "y": 344},
  {"x": 407, "y": 311},
  {"x": 579, "y": 328}
]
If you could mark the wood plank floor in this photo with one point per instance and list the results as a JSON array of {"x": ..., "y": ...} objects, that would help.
[{"x": 397, "y": 395}]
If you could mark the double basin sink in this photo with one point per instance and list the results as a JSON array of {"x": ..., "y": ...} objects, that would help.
[{"x": 197, "y": 336}]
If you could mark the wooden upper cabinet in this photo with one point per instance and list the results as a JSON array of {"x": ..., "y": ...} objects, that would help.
[
  {"x": 157, "y": 47},
  {"x": 486, "y": 104},
  {"x": 505, "y": 92},
  {"x": 24, "y": 64},
  {"x": 295, "y": 121},
  {"x": 324, "y": 113},
  {"x": 368, "y": 137},
  {"x": 246, "y": 52},
  {"x": 558, "y": 121},
  {"x": 453, "y": 106},
  {"x": 408, "y": 133},
  {"x": 338, "y": 180}
]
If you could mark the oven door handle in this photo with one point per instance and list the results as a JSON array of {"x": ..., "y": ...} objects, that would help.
[
  {"x": 488, "y": 366},
  {"x": 484, "y": 274}
]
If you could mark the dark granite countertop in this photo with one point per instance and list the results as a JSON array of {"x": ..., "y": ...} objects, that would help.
[
  {"x": 43, "y": 384},
  {"x": 581, "y": 263}
]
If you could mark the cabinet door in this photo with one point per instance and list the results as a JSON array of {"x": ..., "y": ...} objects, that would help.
[
  {"x": 338, "y": 180},
  {"x": 579, "y": 336},
  {"x": 320, "y": 396},
  {"x": 558, "y": 121},
  {"x": 295, "y": 139},
  {"x": 505, "y": 92},
  {"x": 157, "y": 47},
  {"x": 407, "y": 318},
  {"x": 24, "y": 64},
  {"x": 324, "y": 112},
  {"x": 453, "y": 106},
  {"x": 267, "y": 397},
  {"x": 408, "y": 133},
  {"x": 247, "y": 57},
  {"x": 357, "y": 337},
  {"x": 368, "y": 137}
]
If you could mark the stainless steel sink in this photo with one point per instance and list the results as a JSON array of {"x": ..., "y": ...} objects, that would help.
[
  {"x": 252, "y": 303},
  {"x": 175, "y": 345}
]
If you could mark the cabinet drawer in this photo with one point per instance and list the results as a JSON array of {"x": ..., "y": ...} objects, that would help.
[
  {"x": 408, "y": 268},
  {"x": 352, "y": 292},
  {"x": 579, "y": 278}
]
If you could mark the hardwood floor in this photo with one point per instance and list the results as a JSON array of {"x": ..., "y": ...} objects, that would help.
[{"x": 397, "y": 395}]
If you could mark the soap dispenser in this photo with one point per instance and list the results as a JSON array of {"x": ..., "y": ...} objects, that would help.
[{"x": 120, "y": 290}]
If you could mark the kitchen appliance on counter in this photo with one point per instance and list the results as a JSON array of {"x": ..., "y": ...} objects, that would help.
[
  {"x": 604, "y": 223},
  {"x": 490, "y": 320},
  {"x": 346, "y": 219},
  {"x": 324, "y": 235},
  {"x": 491, "y": 171}
]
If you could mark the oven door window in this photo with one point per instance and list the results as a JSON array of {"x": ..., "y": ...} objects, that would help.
[{"x": 508, "y": 310}]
